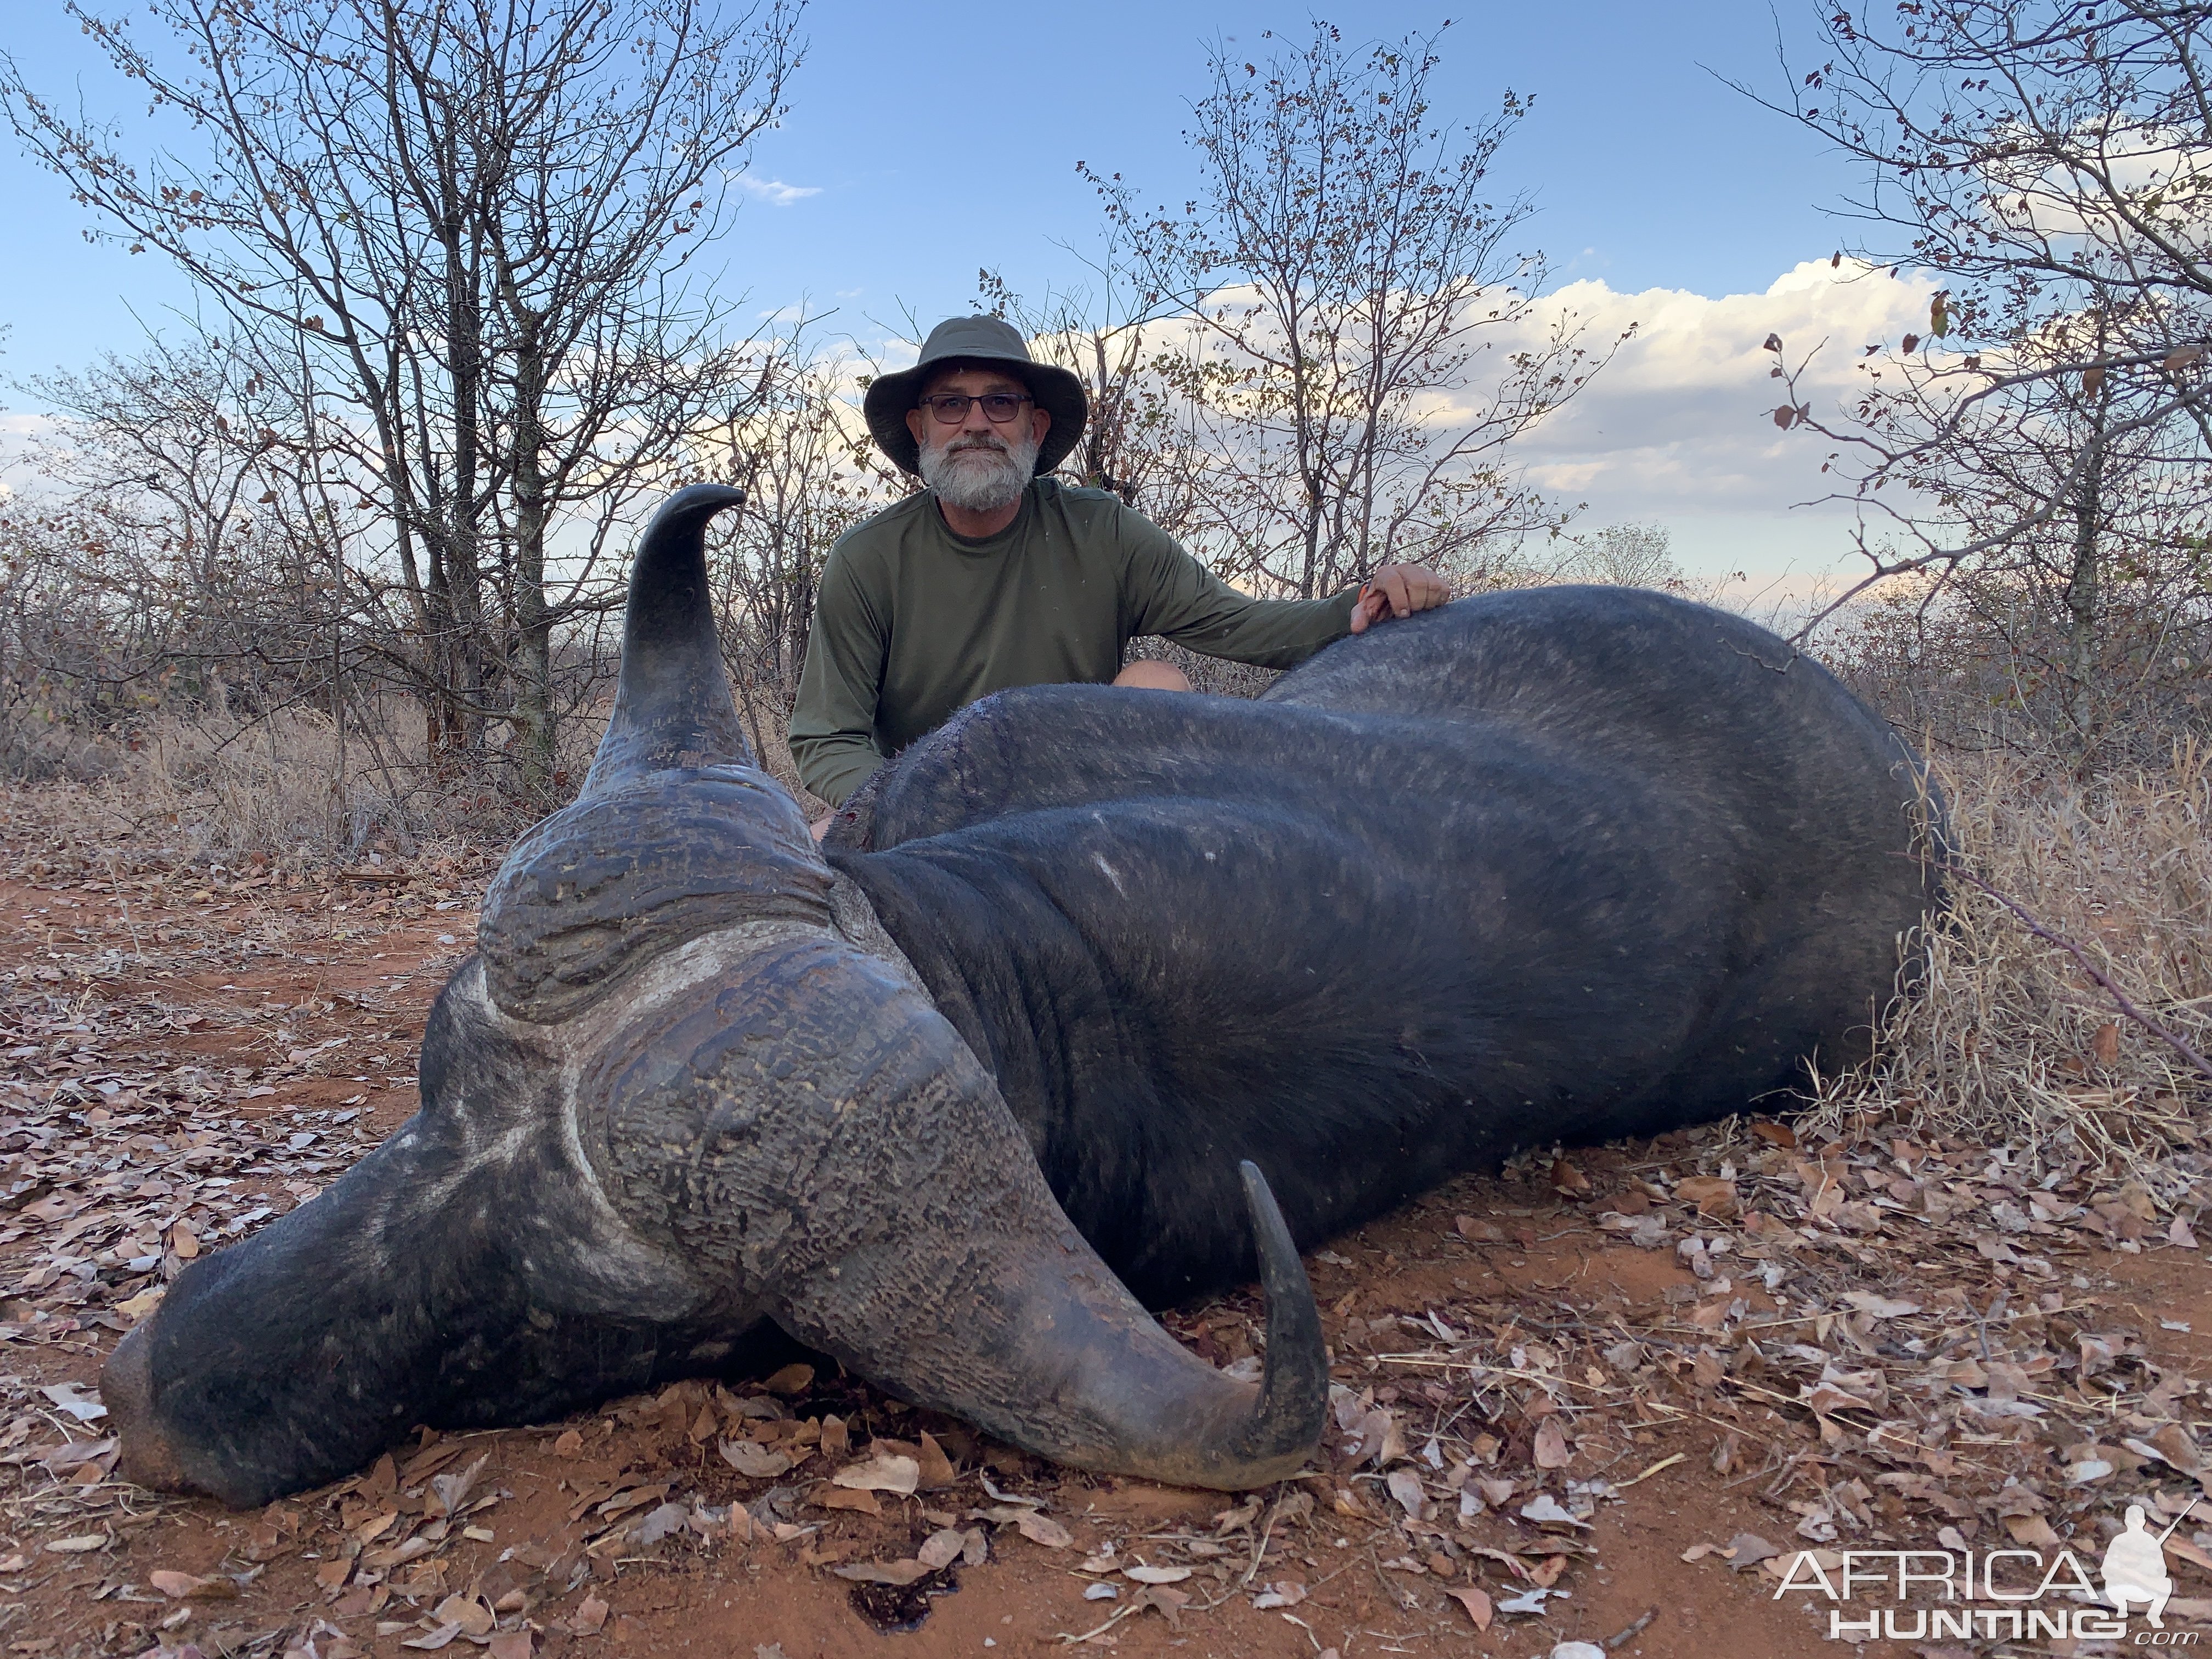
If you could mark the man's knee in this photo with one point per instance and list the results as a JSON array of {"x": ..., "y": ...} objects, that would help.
[{"x": 1153, "y": 676}]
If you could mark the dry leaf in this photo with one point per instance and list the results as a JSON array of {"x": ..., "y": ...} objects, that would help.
[
  {"x": 836, "y": 1439},
  {"x": 473, "y": 1617},
  {"x": 570, "y": 1444},
  {"x": 1043, "y": 1529},
  {"x": 436, "y": 1639},
  {"x": 1715, "y": 1198},
  {"x": 1146, "y": 1575},
  {"x": 1477, "y": 1603},
  {"x": 591, "y": 1615},
  {"x": 754, "y": 1461},
  {"x": 1748, "y": 1549},
  {"x": 449, "y": 1492},
  {"x": 1568, "y": 1180},
  {"x": 941, "y": 1548},
  {"x": 1547, "y": 1510},
  {"x": 791, "y": 1379},
  {"x": 137, "y": 1307},
  {"x": 936, "y": 1468},
  {"x": 1168, "y": 1602},
  {"x": 1552, "y": 1451},
  {"x": 1406, "y": 1487},
  {"x": 508, "y": 1645},
  {"x": 839, "y": 1498},
  {"x": 180, "y": 1586},
  {"x": 668, "y": 1519},
  {"x": 885, "y": 1472},
  {"x": 1879, "y": 1307},
  {"x": 374, "y": 1528},
  {"x": 634, "y": 1498}
]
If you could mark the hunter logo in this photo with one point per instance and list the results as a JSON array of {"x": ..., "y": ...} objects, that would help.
[
  {"x": 2134, "y": 1567},
  {"x": 2003, "y": 1594}
]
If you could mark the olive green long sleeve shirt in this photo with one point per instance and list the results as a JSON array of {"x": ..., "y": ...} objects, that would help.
[{"x": 913, "y": 622}]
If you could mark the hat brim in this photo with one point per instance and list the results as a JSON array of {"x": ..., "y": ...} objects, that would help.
[{"x": 1057, "y": 391}]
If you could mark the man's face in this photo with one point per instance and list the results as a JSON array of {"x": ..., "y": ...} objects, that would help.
[{"x": 977, "y": 465}]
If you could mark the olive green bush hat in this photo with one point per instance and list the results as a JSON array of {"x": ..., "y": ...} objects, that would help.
[{"x": 979, "y": 340}]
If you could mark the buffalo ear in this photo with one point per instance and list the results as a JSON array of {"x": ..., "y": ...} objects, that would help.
[{"x": 672, "y": 702}]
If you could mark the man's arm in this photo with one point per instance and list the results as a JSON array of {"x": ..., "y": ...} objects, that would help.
[
  {"x": 833, "y": 724},
  {"x": 1170, "y": 593}
]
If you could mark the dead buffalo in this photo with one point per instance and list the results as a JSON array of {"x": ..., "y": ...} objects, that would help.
[{"x": 955, "y": 1104}]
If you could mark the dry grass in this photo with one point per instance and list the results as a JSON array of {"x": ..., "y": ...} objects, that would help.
[
  {"x": 2007, "y": 1040},
  {"x": 225, "y": 787}
]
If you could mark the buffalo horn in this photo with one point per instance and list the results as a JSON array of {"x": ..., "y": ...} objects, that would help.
[
  {"x": 1025, "y": 1333},
  {"x": 672, "y": 703}
]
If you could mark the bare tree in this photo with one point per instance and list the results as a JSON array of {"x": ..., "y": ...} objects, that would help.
[
  {"x": 2050, "y": 162},
  {"x": 1142, "y": 439},
  {"x": 473, "y": 220},
  {"x": 810, "y": 473},
  {"x": 214, "y": 552},
  {"x": 1353, "y": 345},
  {"x": 2083, "y": 615},
  {"x": 1624, "y": 556}
]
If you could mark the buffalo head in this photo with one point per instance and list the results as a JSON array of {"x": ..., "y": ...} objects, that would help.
[{"x": 687, "y": 1090}]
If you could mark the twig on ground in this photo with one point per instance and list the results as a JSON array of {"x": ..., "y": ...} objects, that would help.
[
  {"x": 1663, "y": 1463},
  {"x": 2120, "y": 999},
  {"x": 1619, "y": 1638}
]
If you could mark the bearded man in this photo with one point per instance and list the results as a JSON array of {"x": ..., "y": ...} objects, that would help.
[{"x": 999, "y": 575}]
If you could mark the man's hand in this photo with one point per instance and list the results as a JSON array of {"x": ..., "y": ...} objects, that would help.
[{"x": 1397, "y": 590}]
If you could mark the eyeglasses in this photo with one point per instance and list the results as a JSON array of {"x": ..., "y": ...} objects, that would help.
[{"x": 998, "y": 407}]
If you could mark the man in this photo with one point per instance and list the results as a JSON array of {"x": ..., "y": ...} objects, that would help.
[
  {"x": 1000, "y": 576},
  {"x": 2135, "y": 1569}
]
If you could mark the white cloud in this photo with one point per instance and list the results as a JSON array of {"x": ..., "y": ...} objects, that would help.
[
  {"x": 773, "y": 191},
  {"x": 1678, "y": 429},
  {"x": 18, "y": 432}
]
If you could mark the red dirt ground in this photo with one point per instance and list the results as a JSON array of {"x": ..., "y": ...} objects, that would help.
[{"x": 214, "y": 1003}]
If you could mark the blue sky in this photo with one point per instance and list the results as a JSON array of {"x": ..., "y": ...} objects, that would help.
[{"x": 1650, "y": 174}]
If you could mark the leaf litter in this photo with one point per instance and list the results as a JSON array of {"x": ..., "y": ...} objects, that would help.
[{"x": 1886, "y": 1335}]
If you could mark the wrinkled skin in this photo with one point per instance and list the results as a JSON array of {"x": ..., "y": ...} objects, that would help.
[{"x": 955, "y": 1103}]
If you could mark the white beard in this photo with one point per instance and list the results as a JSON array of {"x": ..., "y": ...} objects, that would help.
[{"x": 979, "y": 475}]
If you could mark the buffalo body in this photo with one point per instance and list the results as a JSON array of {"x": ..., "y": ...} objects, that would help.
[{"x": 955, "y": 1102}]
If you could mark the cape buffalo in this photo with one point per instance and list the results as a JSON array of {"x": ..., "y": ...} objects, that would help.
[{"x": 955, "y": 1103}]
